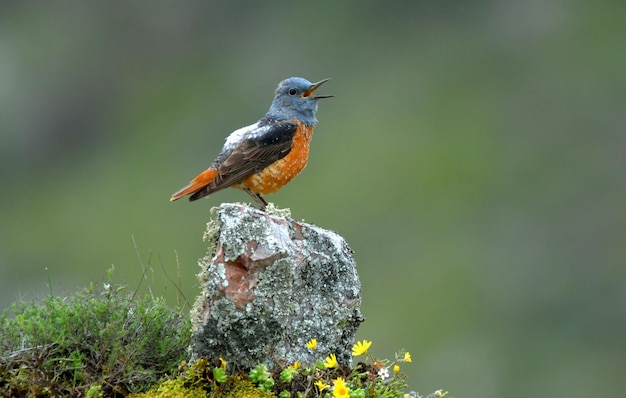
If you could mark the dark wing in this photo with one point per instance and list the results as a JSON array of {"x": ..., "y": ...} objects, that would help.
[{"x": 251, "y": 156}]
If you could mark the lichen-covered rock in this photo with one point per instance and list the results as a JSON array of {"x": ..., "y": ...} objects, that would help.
[{"x": 269, "y": 285}]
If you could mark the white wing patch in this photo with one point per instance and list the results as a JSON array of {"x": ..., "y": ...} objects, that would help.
[{"x": 244, "y": 133}]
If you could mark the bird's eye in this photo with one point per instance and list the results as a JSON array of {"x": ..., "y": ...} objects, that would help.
[{"x": 293, "y": 91}]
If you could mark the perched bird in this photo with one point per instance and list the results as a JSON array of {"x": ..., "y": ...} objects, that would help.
[{"x": 266, "y": 155}]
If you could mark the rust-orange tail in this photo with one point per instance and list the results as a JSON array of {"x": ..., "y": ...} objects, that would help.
[{"x": 201, "y": 181}]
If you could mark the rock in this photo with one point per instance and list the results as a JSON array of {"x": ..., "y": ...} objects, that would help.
[{"x": 269, "y": 285}]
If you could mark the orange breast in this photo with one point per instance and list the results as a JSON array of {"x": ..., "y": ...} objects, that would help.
[{"x": 279, "y": 173}]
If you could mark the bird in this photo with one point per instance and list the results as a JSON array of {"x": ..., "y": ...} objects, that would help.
[{"x": 264, "y": 156}]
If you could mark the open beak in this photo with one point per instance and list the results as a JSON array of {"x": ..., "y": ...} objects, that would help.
[{"x": 309, "y": 93}]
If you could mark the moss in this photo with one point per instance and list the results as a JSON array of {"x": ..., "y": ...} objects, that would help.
[
  {"x": 241, "y": 388},
  {"x": 233, "y": 388},
  {"x": 196, "y": 380},
  {"x": 171, "y": 389}
]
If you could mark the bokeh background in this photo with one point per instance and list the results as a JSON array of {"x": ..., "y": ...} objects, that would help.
[{"x": 474, "y": 158}]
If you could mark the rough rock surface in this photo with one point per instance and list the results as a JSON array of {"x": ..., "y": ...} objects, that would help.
[{"x": 269, "y": 285}]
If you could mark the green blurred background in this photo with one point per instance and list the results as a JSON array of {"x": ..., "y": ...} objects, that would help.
[{"x": 474, "y": 158}]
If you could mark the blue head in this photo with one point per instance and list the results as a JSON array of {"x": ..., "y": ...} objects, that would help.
[{"x": 294, "y": 99}]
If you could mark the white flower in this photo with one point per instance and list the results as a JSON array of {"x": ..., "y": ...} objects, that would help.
[{"x": 383, "y": 373}]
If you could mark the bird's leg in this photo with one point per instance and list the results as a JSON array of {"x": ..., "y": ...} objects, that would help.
[{"x": 257, "y": 198}]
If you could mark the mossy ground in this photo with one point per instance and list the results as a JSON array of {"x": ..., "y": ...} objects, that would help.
[
  {"x": 198, "y": 381},
  {"x": 104, "y": 342},
  {"x": 100, "y": 342}
]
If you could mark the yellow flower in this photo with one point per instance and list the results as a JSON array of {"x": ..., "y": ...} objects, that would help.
[
  {"x": 311, "y": 344},
  {"x": 396, "y": 369},
  {"x": 340, "y": 390},
  {"x": 407, "y": 357},
  {"x": 223, "y": 363},
  {"x": 360, "y": 348},
  {"x": 321, "y": 385},
  {"x": 295, "y": 366},
  {"x": 330, "y": 361}
]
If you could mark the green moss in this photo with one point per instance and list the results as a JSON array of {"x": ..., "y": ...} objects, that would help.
[
  {"x": 244, "y": 389},
  {"x": 196, "y": 381},
  {"x": 212, "y": 233},
  {"x": 172, "y": 389}
]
